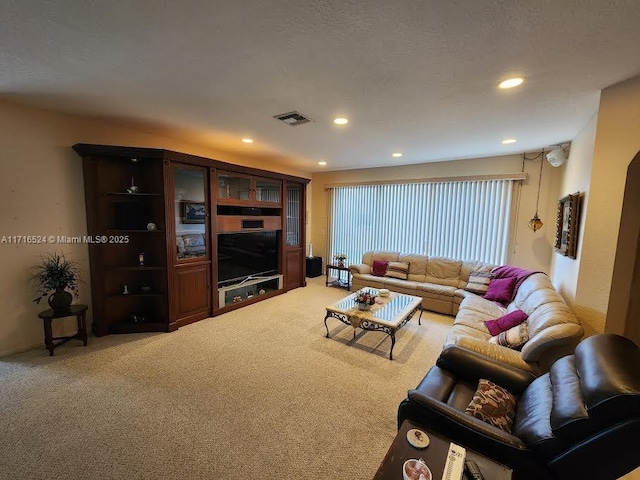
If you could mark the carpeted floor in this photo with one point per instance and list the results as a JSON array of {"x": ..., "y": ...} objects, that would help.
[{"x": 258, "y": 393}]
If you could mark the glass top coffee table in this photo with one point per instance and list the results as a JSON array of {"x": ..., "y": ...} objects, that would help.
[{"x": 389, "y": 316}]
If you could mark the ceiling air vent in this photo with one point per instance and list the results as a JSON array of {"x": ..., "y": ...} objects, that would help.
[{"x": 292, "y": 118}]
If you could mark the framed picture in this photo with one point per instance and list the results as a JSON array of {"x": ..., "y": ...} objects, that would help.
[
  {"x": 567, "y": 225},
  {"x": 192, "y": 212}
]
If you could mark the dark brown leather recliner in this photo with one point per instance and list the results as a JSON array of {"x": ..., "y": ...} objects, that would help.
[{"x": 580, "y": 420}]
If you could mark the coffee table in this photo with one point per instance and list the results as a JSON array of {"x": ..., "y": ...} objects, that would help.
[{"x": 388, "y": 317}]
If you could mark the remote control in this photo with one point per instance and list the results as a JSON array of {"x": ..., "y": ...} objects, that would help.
[{"x": 472, "y": 469}]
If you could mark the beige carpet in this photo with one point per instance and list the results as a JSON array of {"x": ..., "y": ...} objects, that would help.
[{"x": 258, "y": 393}]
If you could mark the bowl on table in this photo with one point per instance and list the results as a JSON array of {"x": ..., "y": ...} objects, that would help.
[{"x": 383, "y": 292}]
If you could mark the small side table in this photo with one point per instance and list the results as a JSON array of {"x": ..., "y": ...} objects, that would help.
[
  {"x": 338, "y": 282},
  {"x": 77, "y": 311},
  {"x": 435, "y": 456}
]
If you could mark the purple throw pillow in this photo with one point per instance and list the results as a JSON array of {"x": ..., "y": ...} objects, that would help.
[
  {"x": 501, "y": 290},
  {"x": 380, "y": 268},
  {"x": 505, "y": 322}
]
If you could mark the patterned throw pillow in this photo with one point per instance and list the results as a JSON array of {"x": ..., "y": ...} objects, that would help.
[
  {"x": 479, "y": 282},
  {"x": 379, "y": 268},
  {"x": 494, "y": 405},
  {"x": 398, "y": 270},
  {"x": 514, "y": 338}
]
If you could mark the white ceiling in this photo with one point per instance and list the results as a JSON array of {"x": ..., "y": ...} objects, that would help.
[{"x": 412, "y": 76}]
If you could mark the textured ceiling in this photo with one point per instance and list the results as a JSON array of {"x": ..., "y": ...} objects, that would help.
[{"x": 412, "y": 76}]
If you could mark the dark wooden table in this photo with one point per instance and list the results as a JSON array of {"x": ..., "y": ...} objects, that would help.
[
  {"x": 435, "y": 456},
  {"x": 47, "y": 316},
  {"x": 338, "y": 282}
]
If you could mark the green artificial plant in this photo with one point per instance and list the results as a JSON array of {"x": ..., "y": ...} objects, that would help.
[{"x": 55, "y": 272}]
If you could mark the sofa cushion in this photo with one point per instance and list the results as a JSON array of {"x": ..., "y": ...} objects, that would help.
[
  {"x": 493, "y": 404},
  {"x": 483, "y": 309},
  {"x": 437, "y": 290},
  {"x": 479, "y": 282},
  {"x": 443, "y": 271},
  {"x": 569, "y": 417},
  {"x": 514, "y": 338},
  {"x": 417, "y": 265},
  {"x": 379, "y": 268},
  {"x": 367, "y": 280},
  {"x": 470, "y": 266},
  {"x": 532, "y": 418},
  {"x": 386, "y": 255},
  {"x": 400, "y": 286},
  {"x": 398, "y": 270},
  {"x": 504, "y": 323},
  {"x": 501, "y": 290}
]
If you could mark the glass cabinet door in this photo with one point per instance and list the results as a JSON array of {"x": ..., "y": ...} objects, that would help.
[
  {"x": 268, "y": 190},
  {"x": 234, "y": 187},
  {"x": 190, "y": 212},
  {"x": 294, "y": 193}
]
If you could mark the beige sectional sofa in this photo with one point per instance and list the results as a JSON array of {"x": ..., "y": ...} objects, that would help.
[{"x": 554, "y": 330}]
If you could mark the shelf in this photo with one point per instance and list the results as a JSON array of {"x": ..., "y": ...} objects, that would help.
[
  {"x": 130, "y": 327},
  {"x": 120, "y": 295},
  {"x": 248, "y": 290},
  {"x": 115, "y": 230},
  {"x": 126, "y": 194},
  {"x": 136, "y": 268}
]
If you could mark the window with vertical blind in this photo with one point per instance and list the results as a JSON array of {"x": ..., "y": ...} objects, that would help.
[{"x": 457, "y": 219}]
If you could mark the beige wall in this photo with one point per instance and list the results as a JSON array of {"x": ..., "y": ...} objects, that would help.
[
  {"x": 531, "y": 250},
  {"x": 576, "y": 178},
  {"x": 617, "y": 142},
  {"x": 41, "y": 191}
]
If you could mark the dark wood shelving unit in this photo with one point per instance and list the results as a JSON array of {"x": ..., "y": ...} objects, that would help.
[
  {"x": 181, "y": 256},
  {"x": 112, "y": 211}
]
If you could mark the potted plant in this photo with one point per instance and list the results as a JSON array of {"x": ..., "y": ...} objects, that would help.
[
  {"x": 364, "y": 299},
  {"x": 56, "y": 274},
  {"x": 340, "y": 257}
]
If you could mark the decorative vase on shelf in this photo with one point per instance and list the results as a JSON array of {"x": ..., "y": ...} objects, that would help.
[{"x": 60, "y": 300}]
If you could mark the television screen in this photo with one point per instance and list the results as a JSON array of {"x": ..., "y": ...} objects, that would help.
[{"x": 243, "y": 254}]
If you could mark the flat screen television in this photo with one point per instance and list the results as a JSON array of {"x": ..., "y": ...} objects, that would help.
[{"x": 245, "y": 254}]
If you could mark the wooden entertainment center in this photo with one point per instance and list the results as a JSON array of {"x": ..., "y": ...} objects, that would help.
[{"x": 176, "y": 238}]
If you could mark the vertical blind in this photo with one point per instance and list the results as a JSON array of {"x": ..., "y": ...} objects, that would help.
[{"x": 467, "y": 220}]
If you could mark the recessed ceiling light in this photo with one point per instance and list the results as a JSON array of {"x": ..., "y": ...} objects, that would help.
[
  {"x": 247, "y": 140},
  {"x": 396, "y": 154},
  {"x": 322, "y": 163},
  {"x": 340, "y": 121},
  {"x": 511, "y": 82},
  {"x": 509, "y": 141}
]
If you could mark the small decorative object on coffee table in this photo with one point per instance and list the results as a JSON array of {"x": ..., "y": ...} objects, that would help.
[{"x": 364, "y": 299}]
